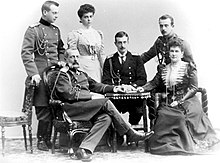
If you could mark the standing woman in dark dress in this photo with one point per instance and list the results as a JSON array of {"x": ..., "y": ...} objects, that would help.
[{"x": 181, "y": 126}]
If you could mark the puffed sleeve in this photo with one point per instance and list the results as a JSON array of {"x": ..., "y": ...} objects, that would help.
[
  {"x": 102, "y": 42},
  {"x": 101, "y": 54},
  {"x": 193, "y": 82},
  {"x": 72, "y": 39}
]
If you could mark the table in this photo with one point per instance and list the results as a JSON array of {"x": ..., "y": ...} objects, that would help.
[{"x": 126, "y": 96}]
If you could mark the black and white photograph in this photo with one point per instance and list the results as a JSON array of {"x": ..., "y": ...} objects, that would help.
[{"x": 109, "y": 81}]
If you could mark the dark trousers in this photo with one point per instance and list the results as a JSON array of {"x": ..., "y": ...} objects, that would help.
[
  {"x": 133, "y": 106},
  {"x": 44, "y": 118},
  {"x": 102, "y": 121}
]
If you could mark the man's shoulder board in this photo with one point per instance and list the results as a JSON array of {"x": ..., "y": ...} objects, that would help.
[
  {"x": 135, "y": 54},
  {"x": 35, "y": 24},
  {"x": 109, "y": 56},
  {"x": 64, "y": 69},
  {"x": 54, "y": 26},
  {"x": 81, "y": 70}
]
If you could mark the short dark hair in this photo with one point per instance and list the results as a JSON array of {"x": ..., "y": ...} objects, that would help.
[
  {"x": 166, "y": 16},
  {"x": 47, "y": 4},
  {"x": 121, "y": 34},
  {"x": 86, "y": 8},
  {"x": 175, "y": 43}
]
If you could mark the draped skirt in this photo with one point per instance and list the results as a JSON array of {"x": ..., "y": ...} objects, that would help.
[{"x": 182, "y": 130}]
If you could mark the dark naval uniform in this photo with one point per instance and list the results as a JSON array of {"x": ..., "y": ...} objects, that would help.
[
  {"x": 42, "y": 46},
  {"x": 131, "y": 72},
  {"x": 160, "y": 49}
]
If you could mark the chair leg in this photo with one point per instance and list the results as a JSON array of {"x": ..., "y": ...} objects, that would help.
[
  {"x": 30, "y": 138},
  {"x": 114, "y": 141},
  {"x": 3, "y": 141},
  {"x": 70, "y": 149},
  {"x": 145, "y": 121},
  {"x": 54, "y": 141},
  {"x": 25, "y": 138}
]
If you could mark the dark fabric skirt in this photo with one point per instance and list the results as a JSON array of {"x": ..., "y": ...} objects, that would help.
[
  {"x": 180, "y": 132},
  {"x": 84, "y": 110}
]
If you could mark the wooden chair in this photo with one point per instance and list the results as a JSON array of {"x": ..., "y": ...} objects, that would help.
[
  {"x": 20, "y": 119},
  {"x": 61, "y": 121}
]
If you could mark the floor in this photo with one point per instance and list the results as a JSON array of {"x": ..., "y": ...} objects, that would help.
[{"x": 15, "y": 152}]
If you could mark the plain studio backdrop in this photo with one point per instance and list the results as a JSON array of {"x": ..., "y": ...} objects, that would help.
[{"x": 196, "y": 21}]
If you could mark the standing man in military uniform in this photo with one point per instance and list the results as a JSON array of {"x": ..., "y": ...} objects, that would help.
[
  {"x": 160, "y": 49},
  {"x": 42, "y": 47},
  {"x": 125, "y": 68}
]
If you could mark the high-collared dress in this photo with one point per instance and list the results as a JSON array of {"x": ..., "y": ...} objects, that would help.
[
  {"x": 185, "y": 128},
  {"x": 90, "y": 44}
]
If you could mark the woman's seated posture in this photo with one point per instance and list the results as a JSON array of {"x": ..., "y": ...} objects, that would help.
[{"x": 181, "y": 126}]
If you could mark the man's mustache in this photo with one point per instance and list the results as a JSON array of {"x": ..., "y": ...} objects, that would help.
[
  {"x": 75, "y": 63},
  {"x": 163, "y": 32}
]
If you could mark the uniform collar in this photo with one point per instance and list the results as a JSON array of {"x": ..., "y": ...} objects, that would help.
[
  {"x": 170, "y": 37},
  {"x": 122, "y": 55},
  {"x": 44, "y": 22}
]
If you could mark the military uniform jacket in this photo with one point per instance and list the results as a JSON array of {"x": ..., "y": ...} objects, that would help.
[
  {"x": 74, "y": 90},
  {"x": 160, "y": 49},
  {"x": 42, "y": 46},
  {"x": 132, "y": 72}
]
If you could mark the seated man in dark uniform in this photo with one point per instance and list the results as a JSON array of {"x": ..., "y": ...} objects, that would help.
[
  {"x": 73, "y": 88},
  {"x": 125, "y": 68}
]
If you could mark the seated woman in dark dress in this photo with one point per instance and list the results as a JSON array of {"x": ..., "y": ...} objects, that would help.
[{"x": 181, "y": 126}]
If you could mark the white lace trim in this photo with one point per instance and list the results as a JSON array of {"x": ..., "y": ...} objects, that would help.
[{"x": 173, "y": 74}]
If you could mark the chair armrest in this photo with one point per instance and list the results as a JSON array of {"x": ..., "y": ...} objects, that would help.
[{"x": 204, "y": 99}]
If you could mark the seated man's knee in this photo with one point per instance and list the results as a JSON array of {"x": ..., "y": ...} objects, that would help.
[{"x": 104, "y": 118}]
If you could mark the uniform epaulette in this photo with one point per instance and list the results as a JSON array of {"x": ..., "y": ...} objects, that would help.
[
  {"x": 35, "y": 24},
  {"x": 79, "y": 69},
  {"x": 64, "y": 69},
  {"x": 135, "y": 54},
  {"x": 54, "y": 26},
  {"x": 180, "y": 38},
  {"x": 109, "y": 56}
]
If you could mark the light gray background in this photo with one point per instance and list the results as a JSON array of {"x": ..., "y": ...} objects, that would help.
[{"x": 196, "y": 21}]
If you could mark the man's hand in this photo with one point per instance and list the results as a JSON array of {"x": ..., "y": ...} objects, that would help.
[
  {"x": 174, "y": 103},
  {"x": 118, "y": 89},
  {"x": 140, "y": 89},
  {"x": 62, "y": 63},
  {"x": 128, "y": 88},
  {"x": 35, "y": 79}
]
